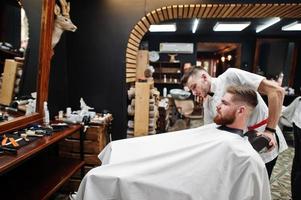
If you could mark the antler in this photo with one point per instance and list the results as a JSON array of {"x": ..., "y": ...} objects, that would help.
[{"x": 65, "y": 7}]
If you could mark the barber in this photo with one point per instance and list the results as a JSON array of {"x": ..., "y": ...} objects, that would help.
[{"x": 264, "y": 119}]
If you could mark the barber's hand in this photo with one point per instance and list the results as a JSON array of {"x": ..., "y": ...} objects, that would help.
[{"x": 270, "y": 135}]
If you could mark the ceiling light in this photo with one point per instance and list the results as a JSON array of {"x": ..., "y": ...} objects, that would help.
[
  {"x": 163, "y": 28},
  {"x": 269, "y": 23},
  {"x": 295, "y": 26},
  {"x": 223, "y": 58},
  {"x": 230, "y": 26},
  {"x": 229, "y": 57},
  {"x": 195, "y": 25}
]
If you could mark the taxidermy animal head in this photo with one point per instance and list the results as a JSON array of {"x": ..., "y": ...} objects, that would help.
[{"x": 62, "y": 22}]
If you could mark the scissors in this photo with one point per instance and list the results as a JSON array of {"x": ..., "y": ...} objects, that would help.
[{"x": 4, "y": 149}]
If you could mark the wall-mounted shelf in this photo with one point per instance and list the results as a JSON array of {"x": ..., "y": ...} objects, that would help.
[
  {"x": 167, "y": 72},
  {"x": 168, "y": 82}
]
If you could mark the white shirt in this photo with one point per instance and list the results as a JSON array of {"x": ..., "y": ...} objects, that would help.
[
  {"x": 235, "y": 76},
  {"x": 292, "y": 112}
]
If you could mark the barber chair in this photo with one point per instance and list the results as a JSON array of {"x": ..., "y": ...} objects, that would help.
[
  {"x": 185, "y": 106},
  {"x": 187, "y": 110}
]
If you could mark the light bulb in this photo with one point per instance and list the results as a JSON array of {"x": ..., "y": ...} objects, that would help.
[
  {"x": 223, "y": 58},
  {"x": 229, "y": 57}
]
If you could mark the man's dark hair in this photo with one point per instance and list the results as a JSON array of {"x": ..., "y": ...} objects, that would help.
[
  {"x": 243, "y": 94},
  {"x": 191, "y": 72}
]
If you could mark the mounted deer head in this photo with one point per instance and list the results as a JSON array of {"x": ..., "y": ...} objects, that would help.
[{"x": 62, "y": 22}]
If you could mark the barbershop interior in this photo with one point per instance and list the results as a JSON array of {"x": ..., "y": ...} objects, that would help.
[{"x": 169, "y": 100}]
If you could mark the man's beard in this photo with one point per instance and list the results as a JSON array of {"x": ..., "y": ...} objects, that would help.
[{"x": 226, "y": 120}]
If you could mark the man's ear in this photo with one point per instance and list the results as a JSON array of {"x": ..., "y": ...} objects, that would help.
[{"x": 241, "y": 109}]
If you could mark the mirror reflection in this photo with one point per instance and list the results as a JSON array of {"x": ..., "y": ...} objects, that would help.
[
  {"x": 172, "y": 53},
  {"x": 15, "y": 98},
  {"x": 268, "y": 50}
]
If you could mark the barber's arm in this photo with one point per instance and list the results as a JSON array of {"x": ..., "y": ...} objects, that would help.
[{"x": 275, "y": 96}]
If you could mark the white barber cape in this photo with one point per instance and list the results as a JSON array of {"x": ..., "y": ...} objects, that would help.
[
  {"x": 233, "y": 76},
  {"x": 204, "y": 163}
]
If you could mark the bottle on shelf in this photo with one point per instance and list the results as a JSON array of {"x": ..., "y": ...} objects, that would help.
[
  {"x": 165, "y": 92},
  {"x": 164, "y": 79},
  {"x": 46, "y": 114}
]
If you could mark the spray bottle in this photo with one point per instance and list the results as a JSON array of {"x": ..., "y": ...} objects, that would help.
[{"x": 46, "y": 114}]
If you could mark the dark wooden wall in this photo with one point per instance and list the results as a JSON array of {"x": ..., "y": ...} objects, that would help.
[{"x": 94, "y": 64}]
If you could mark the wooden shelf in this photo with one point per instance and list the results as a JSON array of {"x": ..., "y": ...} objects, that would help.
[
  {"x": 8, "y": 162},
  {"x": 170, "y": 70},
  {"x": 166, "y": 62},
  {"x": 162, "y": 82},
  {"x": 35, "y": 173},
  {"x": 38, "y": 179},
  {"x": 167, "y": 68}
]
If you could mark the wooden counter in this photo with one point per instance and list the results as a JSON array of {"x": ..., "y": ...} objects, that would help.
[{"x": 32, "y": 174}]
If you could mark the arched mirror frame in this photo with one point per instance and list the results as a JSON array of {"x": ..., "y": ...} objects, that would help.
[
  {"x": 43, "y": 72},
  {"x": 283, "y": 10}
]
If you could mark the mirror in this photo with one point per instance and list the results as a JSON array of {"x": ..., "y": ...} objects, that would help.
[
  {"x": 36, "y": 55},
  {"x": 216, "y": 57},
  {"x": 209, "y": 14},
  {"x": 15, "y": 61},
  {"x": 275, "y": 56},
  {"x": 216, "y": 54}
]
